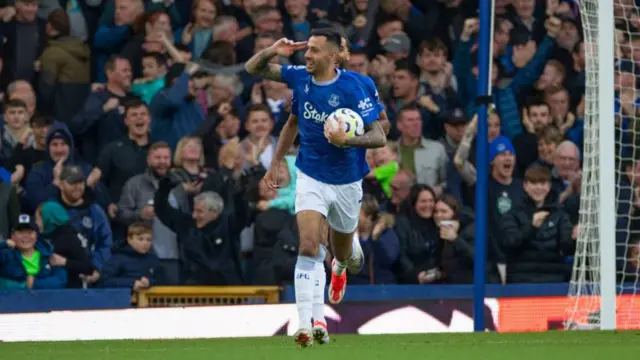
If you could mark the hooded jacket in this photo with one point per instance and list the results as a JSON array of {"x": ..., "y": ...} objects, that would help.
[{"x": 39, "y": 186}]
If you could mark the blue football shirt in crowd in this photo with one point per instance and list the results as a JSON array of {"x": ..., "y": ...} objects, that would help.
[{"x": 317, "y": 158}]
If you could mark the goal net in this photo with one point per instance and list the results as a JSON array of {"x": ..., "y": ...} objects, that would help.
[{"x": 605, "y": 271}]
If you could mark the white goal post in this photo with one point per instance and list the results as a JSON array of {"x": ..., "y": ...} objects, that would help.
[{"x": 597, "y": 279}]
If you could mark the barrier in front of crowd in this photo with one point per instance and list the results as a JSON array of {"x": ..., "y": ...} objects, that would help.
[
  {"x": 177, "y": 296},
  {"x": 28, "y": 315}
]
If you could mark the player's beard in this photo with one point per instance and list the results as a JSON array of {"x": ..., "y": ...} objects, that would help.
[{"x": 342, "y": 64}]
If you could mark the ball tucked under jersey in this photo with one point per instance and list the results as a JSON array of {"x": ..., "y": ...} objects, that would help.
[{"x": 313, "y": 103}]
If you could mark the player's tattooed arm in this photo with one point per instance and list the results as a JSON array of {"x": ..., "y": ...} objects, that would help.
[
  {"x": 373, "y": 137},
  {"x": 384, "y": 122},
  {"x": 259, "y": 65}
]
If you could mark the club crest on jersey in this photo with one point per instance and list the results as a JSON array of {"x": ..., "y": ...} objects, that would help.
[{"x": 334, "y": 100}]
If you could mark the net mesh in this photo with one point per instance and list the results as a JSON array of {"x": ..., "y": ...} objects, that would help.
[{"x": 584, "y": 289}]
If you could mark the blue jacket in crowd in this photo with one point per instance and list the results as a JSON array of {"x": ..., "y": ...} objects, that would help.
[
  {"x": 174, "y": 116},
  {"x": 92, "y": 224},
  {"x": 384, "y": 252},
  {"x": 505, "y": 98},
  {"x": 126, "y": 266},
  {"x": 12, "y": 271},
  {"x": 108, "y": 40},
  {"x": 39, "y": 184}
]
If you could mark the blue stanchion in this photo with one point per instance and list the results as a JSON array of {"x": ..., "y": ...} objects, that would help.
[{"x": 482, "y": 165}]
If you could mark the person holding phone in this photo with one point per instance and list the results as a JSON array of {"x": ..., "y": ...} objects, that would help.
[{"x": 456, "y": 230}]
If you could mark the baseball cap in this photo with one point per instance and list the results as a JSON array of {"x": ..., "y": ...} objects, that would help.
[
  {"x": 456, "y": 117},
  {"x": 25, "y": 222},
  {"x": 72, "y": 174},
  {"x": 397, "y": 43}
]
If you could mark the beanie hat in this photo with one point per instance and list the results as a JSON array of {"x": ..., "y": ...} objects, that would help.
[
  {"x": 59, "y": 21},
  {"x": 500, "y": 145}
]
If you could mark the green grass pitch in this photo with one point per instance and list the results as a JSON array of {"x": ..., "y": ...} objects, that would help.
[{"x": 489, "y": 346}]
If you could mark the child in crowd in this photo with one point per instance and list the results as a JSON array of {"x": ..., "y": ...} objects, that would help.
[
  {"x": 135, "y": 266},
  {"x": 16, "y": 128},
  {"x": 386, "y": 164},
  {"x": 25, "y": 261},
  {"x": 154, "y": 68}
]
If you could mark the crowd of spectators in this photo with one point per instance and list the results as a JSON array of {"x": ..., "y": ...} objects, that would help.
[{"x": 133, "y": 141}]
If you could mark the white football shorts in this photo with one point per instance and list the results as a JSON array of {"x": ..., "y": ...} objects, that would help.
[{"x": 340, "y": 204}]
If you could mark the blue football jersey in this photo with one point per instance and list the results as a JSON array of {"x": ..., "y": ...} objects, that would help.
[
  {"x": 313, "y": 103},
  {"x": 365, "y": 81}
]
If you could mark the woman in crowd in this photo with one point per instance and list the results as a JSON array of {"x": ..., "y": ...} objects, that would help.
[
  {"x": 188, "y": 162},
  {"x": 418, "y": 237},
  {"x": 456, "y": 228},
  {"x": 197, "y": 33}
]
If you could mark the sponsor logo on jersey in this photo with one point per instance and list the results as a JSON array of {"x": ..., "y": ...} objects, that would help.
[
  {"x": 311, "y": 113},
  {"x": 365, "y": 104}
]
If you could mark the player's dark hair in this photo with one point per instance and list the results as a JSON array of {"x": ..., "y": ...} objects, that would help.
[
  {"x": 331, "y": 35},
  {"x": 408, "y": 66}
]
